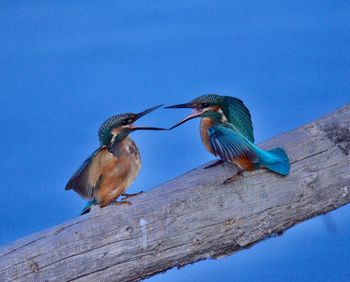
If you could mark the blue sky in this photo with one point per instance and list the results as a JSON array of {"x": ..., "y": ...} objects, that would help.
[{"x": 66, "y": 66}]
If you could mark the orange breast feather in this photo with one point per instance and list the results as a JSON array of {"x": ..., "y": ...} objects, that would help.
[{"x": 206, "y": 123}]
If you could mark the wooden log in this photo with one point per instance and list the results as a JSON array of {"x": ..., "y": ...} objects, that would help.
[{"x": 194, "y": 216}]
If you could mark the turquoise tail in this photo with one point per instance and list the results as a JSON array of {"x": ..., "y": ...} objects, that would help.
[
  {"x": 88, "y": 206},
  {"x": 275, "y": 160}
]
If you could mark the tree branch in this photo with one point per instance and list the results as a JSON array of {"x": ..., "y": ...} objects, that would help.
[{"x": 194, "y": 216}]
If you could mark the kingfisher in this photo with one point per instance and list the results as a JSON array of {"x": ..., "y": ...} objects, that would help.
[
  {"x": 226, "y": 131},
  {"x": 109, "y": 170}
]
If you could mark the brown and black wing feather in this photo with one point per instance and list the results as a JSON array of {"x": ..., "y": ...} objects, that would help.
[{"x": 82, "y": 181}]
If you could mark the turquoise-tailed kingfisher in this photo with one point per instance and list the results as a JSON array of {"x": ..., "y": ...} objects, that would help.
[
  {"x": 109, "y": 171},
  {"x": 227, "y": 132}
]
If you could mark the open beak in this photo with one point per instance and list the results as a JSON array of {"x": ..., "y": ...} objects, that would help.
[
  {"x": 195, "y": 113},
  {"x": 146, "y": 128},
  {"x": 179, "y": 106},
  {"x": 145, "y": 112},
  {"x": 139, "y": 115}
]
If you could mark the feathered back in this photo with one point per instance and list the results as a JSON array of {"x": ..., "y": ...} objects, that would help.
[{"x": 239, "y": 116}]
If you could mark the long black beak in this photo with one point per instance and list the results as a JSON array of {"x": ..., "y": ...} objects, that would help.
[
  {"x": 179, "y": 106},
  {"x": 145, "y": 112},
  {"x": 147, "y": 128},
  {"x": 195, "y": 113}
]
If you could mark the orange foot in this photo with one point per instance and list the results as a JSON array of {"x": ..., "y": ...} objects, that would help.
[
  {"x": 238, "y": 175},
  {"x": 116, "y": 203}
]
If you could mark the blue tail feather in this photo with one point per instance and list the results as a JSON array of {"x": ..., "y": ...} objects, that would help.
[
  {"x": 275, "y": 160},
  {"x": 88, "y": 206}
]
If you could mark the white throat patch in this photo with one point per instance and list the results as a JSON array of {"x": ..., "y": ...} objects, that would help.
[{"x": 223, "y": 117}]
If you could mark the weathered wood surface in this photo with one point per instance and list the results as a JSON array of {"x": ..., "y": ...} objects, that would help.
[{"x": 194, "y": 216}]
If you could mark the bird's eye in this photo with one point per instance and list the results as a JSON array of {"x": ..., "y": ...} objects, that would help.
[
  {"x": 125, "y": 121},
  {"x": 205, "y": 105}
]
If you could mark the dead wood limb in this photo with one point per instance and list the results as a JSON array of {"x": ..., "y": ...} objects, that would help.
[{"x": 194, "y": 216}]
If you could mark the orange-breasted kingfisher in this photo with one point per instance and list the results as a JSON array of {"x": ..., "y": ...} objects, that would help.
[
  {"x": 109, "y": 171},
  {"x": 227, "y": 132}
]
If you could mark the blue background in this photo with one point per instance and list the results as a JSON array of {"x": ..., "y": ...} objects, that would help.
[{"x": 68, "y": 65}]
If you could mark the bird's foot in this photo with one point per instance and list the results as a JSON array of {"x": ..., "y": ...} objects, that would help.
[
  {"x": 126, "y": 195},
  {"x": 219, "y": 162},
  {"x": 116, "y": 203},
  {"x": 237, "y": 176}
]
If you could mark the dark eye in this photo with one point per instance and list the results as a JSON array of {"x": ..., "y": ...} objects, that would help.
[
  {"x": 125, "y": 122},
  {"x": 205, "y": 105}
]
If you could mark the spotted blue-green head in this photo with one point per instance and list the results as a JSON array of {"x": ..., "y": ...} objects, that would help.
[
  {"x": 203, "y": 106},
  {"x": 123, "y": 124}
]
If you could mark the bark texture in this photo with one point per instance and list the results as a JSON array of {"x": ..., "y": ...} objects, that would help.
[{"x": 194, "y": 216}]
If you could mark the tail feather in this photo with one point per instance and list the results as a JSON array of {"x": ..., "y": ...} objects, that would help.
[
  {"x": 276, "y": 160},
  {"x": 88, "y": 206}
]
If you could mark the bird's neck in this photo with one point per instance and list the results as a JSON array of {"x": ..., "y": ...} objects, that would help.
[
  {"x": 216, "y": 116},
  {"x": 119, "y": 135},
  {"x": 126, "y": 147},
  {"x": 113, "y": 136}
]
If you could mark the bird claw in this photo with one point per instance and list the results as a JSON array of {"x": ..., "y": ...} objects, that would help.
[
  {"x": 126, "y": 196},
  {"x": 233, "y": 178},
  {"x": 219, "y": 162},
  {"x": 116, "y": 203}
]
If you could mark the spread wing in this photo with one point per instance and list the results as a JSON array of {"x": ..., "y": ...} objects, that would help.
[
  {"x": 238, "y": 115},
  {"x": 86, "y": 179},
  {"x": 229, "y": 144}
]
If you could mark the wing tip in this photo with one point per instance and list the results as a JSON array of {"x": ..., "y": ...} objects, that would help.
[
  {"x": 67, "y": 187},
  {"x": 70, "y": 184}
]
